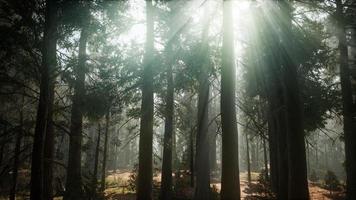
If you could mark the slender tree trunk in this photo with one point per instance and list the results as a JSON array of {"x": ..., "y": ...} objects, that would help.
[
  {"x": 308, "y": 156},
  {"x": 265, "y": 159},
  {"x": 202, "y": 164},
  {"x": 144, "y": 187},
  {"x": 47, "y": 67},
  {"x": 96, "y": 161},
  {"x": 212, "y": 136},
  {"x": 248, "y": 158},
  {"x": 74, "y": 177},
  {"x": 297, "y": 175},
  {"x": 230, "y": 180},
  {"x": 191, "y": 161},
  {"x": 106, "y": 136},
  {"x": 49, "y": 149},
  {"x": 348, "y": 106},
  {"x": 282, "y": 154},
  {"x": 166, "y": 185},
  {"x": 272, "y": 148},
  {"x": 17, "y": 155},
  {"x": 2, "y": 147},
  {"x": 202, "y": 190}
]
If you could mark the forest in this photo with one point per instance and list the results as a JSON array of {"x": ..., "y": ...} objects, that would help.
[{"x": 178, "y": 99}]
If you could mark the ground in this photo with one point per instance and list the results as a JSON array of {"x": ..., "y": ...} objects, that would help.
[{"x": 119, "y": 188}]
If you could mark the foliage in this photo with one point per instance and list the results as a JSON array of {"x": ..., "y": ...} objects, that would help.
[
  {"x": 260, "y": 190},
  {"x": 331, "y": 182},
  {"x": 132, "y": 182}
]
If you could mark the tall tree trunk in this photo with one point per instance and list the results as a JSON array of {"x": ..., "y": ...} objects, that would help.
[
  {"x": 144, "y": 187},
  {"x": 282, "y": 154},
  {"x": 49, "y": 149},
  {"x": 47, "y": 67},
  {"x": 248, "y": 158},
  {"x": 15, "y": 167},
  {"x": 202, "y": 164},
  {"x": 106, "y": 137},
  {"x": 265, "y": 159},
  {"x": 191, "y": 160},
  {"x": 230, "y": 180},
  {"x": 96, "y": 161},
  {"x": 297, "y": 175},
  {"x": 272, "y": 141},
  {"x": 166, "y": 185},
  {"x": 348, "y": 106},
  {"x": 74, "y": 176},
  {"x": 212, "y": 158}
]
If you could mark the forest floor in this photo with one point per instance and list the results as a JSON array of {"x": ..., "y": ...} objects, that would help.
[
  {"x": 120, "y": 181},
  {"x": 120, "y": 186}
]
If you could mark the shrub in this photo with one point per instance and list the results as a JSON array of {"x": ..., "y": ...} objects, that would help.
[{"x": 331, "y": 181}]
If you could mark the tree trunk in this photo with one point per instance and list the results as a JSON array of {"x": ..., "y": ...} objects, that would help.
[
  {"x": 265, "y": 158},
  {"x": 202, "y": 190},
  {"x": 74, "y": 177},
  {"x": 348, "y": 106},
  {"x": 96, "y": 161},
  {"x": 297, "y": 175},
  {"x": 191, "y": 161},
  {"x": 212, "y": 136},
  {"x": 17, "y": 154},
  {"x": 47, "y": 67},
  {"x": 202, "y": 164},
  {"x": 144, "y": 187},
  {"x": 272, "y": 141},
  {"x": 248, "y": 158},
  {"x": 106, "y": 136},
  {"x": 282, "y": 154},
  {"x": 230, "y": 180},
  {"x": 49, "y": 149},
  {"x": 166, "y": 184}
]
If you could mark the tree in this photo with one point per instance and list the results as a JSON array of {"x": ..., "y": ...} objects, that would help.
[
  {"x": 348, "y": 106},
  {"x": 202, "y": 164},
  {"x": 144, "y": 187},
  {"x": 106, "y": 136},
  {"x": 74, "y": 176},
  {"x": 166, "y": 185},
  {"x": 297, "y": 174},
  {"x": 230, "y": 180},
  {"x": 48, "y": 66},
  {"x": 16, "y": 163}
]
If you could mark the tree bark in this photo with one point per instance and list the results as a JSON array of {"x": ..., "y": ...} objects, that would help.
[
  {"x": 96, "y": 161},
  {"x": 348, "y": 106},
  {"x": 144, "y": 187},
  {"x": 106, "y": 136},
  {"x": 265, "y": 159},
  {"x": 248, "y": 158},
  {"x": 230, "y": 180},
  {"x": 49, "y": 149},
  {"x": 74, "y": 177},
  {"x": 166, "y": 185},
  {"x": 17, "y": 154},
  {"x": 297, "y": 175},
  {"x": 47, "y": 67},
  {"x": 191, "y": 160},
  {"x": 202, "y": 164}
]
